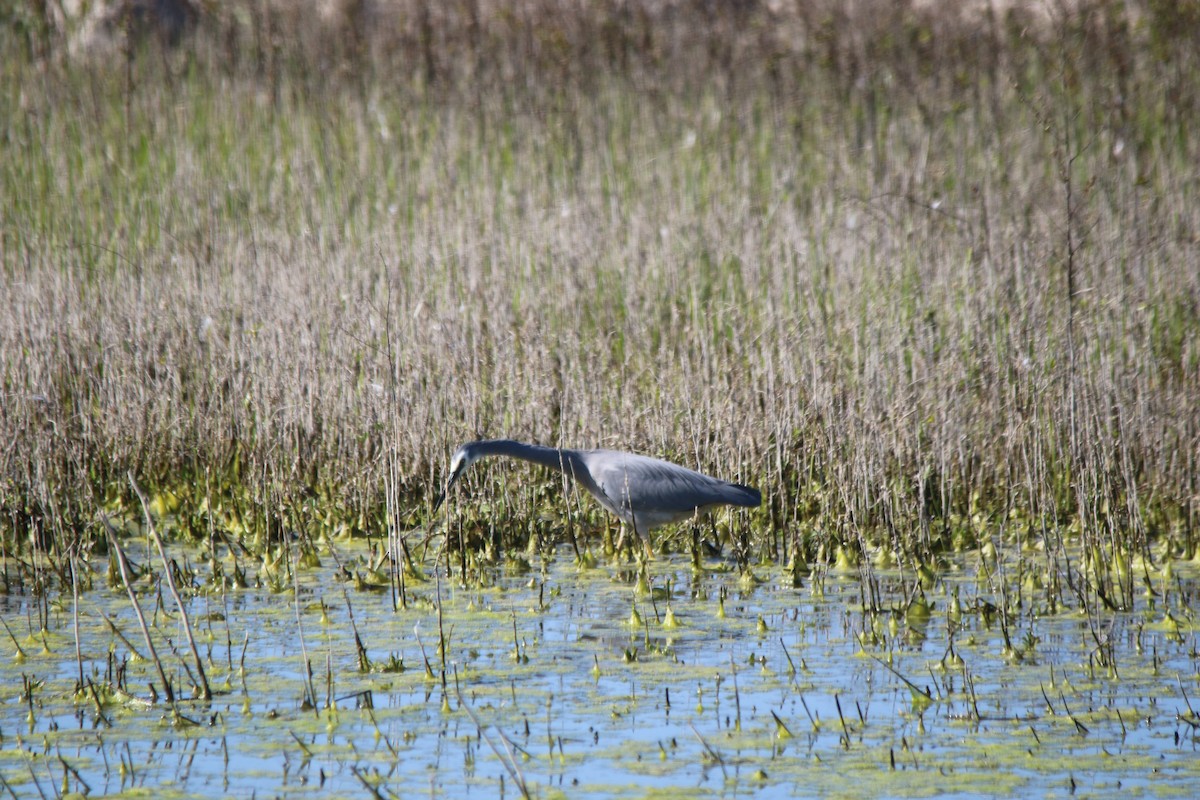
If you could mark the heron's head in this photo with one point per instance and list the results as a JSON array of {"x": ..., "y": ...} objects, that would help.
[{"x": 463, "y": 458}]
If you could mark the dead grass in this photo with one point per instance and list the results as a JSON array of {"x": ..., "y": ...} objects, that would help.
[{"x": 926, "y": 283}]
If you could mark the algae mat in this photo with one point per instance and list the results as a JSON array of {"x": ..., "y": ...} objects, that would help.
[{"x": 546, "y": 678}]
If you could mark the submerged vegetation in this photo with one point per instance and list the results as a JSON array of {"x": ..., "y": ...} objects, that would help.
[
  {"x": 544, "y": 680},
  {"x": 928, "y": 280}
]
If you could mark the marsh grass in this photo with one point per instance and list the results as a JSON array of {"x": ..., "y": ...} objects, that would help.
[{"x": 920, "y": 278}]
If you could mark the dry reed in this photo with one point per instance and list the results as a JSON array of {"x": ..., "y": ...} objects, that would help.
[{"x": 921, "y": 278}]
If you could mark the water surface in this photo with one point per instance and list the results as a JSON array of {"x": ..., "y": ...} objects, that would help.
[{"x": 586, "y": 685}]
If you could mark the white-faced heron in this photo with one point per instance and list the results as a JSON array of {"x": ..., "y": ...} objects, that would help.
[{"x": 642, "y": 492}]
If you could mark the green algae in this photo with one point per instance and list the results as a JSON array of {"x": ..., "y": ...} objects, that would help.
[{"x": 733, "y": 686}]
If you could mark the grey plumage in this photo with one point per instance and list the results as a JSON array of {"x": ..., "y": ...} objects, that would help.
[{"x": 642, "y": 492}]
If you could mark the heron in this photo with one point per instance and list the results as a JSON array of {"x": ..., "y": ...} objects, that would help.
[{"x": 642, "y": 492}]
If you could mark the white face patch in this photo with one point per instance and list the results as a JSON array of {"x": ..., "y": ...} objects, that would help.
[{"x": 460, "y": 461}]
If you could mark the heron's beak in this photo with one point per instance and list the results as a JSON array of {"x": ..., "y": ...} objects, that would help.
[{"x": 441, "y": 498}]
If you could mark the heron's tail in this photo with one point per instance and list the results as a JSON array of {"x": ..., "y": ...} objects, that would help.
[{"x": 746, "y": 496}]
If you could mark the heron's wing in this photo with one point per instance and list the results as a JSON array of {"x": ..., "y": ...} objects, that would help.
[{"x": 649, "y": 485}]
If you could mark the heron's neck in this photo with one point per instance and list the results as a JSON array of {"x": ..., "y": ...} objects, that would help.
[{"x": 552, "y": 457}]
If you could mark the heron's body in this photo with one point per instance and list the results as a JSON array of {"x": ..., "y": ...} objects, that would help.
[{"x": 642, "y": 492}]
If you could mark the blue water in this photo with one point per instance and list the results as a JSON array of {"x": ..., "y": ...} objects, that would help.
[{"x": 598, "y": 708}]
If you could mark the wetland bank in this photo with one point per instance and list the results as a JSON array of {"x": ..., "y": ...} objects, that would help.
[{"x": 927, "y": 281}]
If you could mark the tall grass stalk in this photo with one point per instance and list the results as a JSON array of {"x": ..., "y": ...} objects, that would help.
[{"x": 278, "y": 271}]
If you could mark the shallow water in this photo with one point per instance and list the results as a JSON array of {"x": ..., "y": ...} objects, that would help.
[{"x": 784, "y": 692}]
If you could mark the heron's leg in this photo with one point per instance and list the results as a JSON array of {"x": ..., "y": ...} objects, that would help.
[
  {"x": 645, "y": 537},
  {"x": 714, "y": 549},
  {"x": 620, "y": 540}
]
